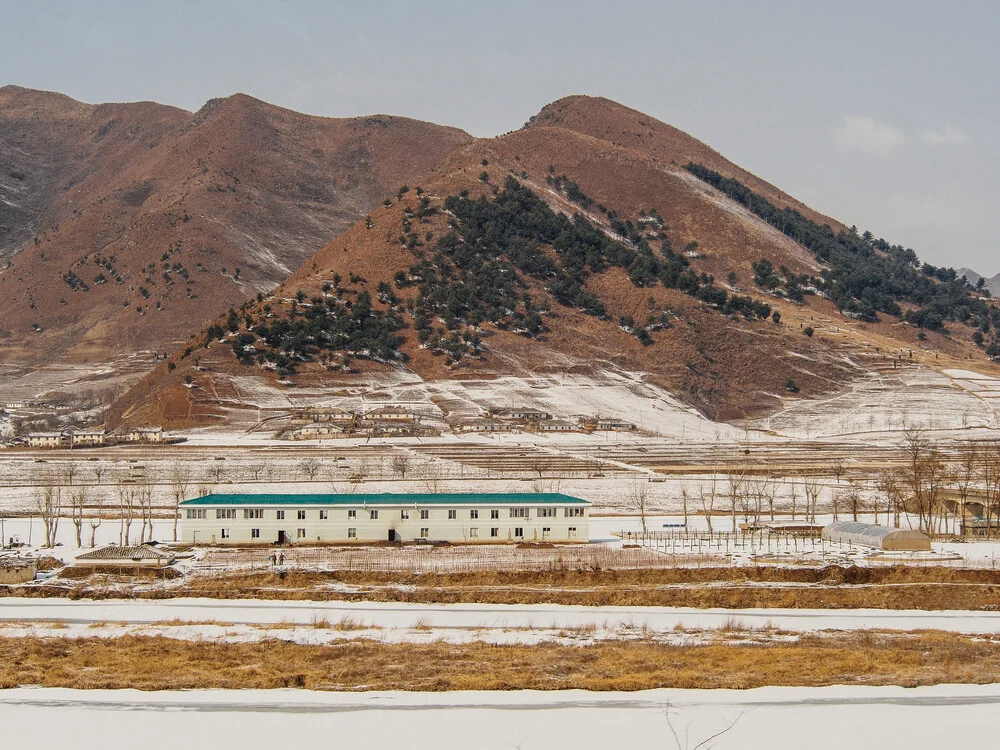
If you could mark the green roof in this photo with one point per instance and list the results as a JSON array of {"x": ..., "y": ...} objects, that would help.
[{"x": 389, "y": 498}]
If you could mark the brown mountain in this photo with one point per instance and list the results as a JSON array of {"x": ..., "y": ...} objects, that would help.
[
  {"x": 125, "y": 227},
  {"x": 578, "y": 156}
]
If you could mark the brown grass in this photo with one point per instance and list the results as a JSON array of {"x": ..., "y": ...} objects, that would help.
[
  {"x": 734, "y": 588},
  {"x": 163, "y": 663}
]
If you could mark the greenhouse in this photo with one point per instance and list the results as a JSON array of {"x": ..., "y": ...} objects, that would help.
[{"x": 873, "y": 535}]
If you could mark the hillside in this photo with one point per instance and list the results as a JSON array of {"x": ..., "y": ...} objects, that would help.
[
  {"x": 125, "y": 227},
  {"x": 584, "y": 243}
]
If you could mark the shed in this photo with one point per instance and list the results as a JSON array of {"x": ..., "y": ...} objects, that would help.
[
  {"x": 16, "y": 570},
  {"x": 130, "y": 556},
  {"x": 874, "y": 535}
]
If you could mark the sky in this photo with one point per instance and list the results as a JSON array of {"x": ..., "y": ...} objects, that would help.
[{"x": 880, "y": 114}]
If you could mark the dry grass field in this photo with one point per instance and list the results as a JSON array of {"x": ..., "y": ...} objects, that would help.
[
  {"x": 730, "y": 588},
  {"x": 867, "y": 658}
]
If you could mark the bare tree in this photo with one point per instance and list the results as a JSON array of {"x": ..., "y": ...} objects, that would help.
[
  {"x": 126, "y": 512},
  {"x": 793, "y": 496},
  {"x": 96, "y": 517},
  {"x": 144, "y": 499},
  {"x": 179, "y": 480},
  {"x": 310, "y": 468},
  {"x": 638, "y": 496},
  {"x": 925, "y": 478},
  {"x": 707, "y": 497},
  {"x": 48, "y": 503},
  {"x": 738, "y": 473},
  {"x": 256, "y": 469},
  {"x": 812, "y": 489},
  {"x": 400, "y": 464},
  {"x": 77, "y": 510}
]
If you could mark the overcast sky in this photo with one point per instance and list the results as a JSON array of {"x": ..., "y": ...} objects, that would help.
[{"x": 882, "y": 114}]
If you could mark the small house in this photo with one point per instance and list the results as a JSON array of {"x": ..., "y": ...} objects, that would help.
[
  {"x": 87, "y": 438},
  {"x": 47, "y": 440}
]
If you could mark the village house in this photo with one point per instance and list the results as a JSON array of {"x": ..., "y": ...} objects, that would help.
[
  {"x": 142, "y": 435},
  {"x": 605, "y": 424},
  {"x": 323, "y": 414},
  {"x": 484, "y": 425},
  {"x": 47, "y": 439},
  {"x": 469, "y": 518},
  {"x": 556, "y": 425},
  {"x": 522, "y": 415},
  {"x": 317, "y": 430},
  {"x": 87, "y": 438},
  {"x": 391, "y": 414}
]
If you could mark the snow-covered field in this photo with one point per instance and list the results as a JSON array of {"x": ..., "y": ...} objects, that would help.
[
  {"x": 773, "y": 718},
  {"x": 320, "y": 622}
]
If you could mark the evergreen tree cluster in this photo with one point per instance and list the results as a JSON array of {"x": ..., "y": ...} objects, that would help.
[
  {"x": 326, "y": 328},
  {"x": 865, "y": 275}
]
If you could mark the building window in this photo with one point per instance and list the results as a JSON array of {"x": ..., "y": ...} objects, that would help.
[
  {"x": 473, "y": 514},
  {"x": 352, "y": 514},
  {"x": 280, "y": 515},
  {"x": 574, "y": 513},
  {"x": 323, "y": 515},
  {"x": 473, "y": 533},
  {"x": 196, "y": 513},
  {"x": 518, "y": 531},
  {"x": 494, "y": 532},
  {"x": 404, "y": 514},
  {"x": 546, "y": 512},
  {"x": 546, "y": 530},
  {"x": 452, "y": 515},
  {"x": 373, "y": 515},
  {"x": 225, "y": 533},
  {"x": 572, "y": 532},
  {"x": 518, "y": 512},
  {"x": 253, "y": 513},
  {"x": 225, "y": 513},
  {"x": 255, "y": 533},
  {"x": 424, "y": 515},
  {"x": 352, "y": 532},
  {"x": 300, "y": 533},
  {"x": 301, "y": 515},
  {"x": 424, "y": 532},
  {"x": 495, "y": 514}
]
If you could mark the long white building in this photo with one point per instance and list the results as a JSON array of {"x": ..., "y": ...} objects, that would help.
[{"x": 457, "y": 518}]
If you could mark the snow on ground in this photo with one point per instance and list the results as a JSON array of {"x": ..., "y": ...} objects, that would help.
[
  {"x": 911, "y": 397},
  {"x": 406, "y": 621},
  {"x": 772, "y": 718}
]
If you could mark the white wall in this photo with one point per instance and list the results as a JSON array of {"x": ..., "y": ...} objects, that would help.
[{"x": 335, "y": 528}]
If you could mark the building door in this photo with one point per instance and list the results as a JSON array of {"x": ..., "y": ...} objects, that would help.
[
  {"x": 392, "y": 535},
  {"x": 282, "y": 537}
]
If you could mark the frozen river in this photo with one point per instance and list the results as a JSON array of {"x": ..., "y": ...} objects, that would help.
[{"x": 829, "y": 718}]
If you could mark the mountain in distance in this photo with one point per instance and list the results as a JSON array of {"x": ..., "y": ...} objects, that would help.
[
  {"x": 992, "y": 283},
  {"x": 125, "y": 227},
  {"x": 594, "y": 240}
]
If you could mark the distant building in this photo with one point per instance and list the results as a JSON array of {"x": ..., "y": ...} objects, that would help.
[
  {"x": 522, "y": 415},
  {"x": 142, "y": 435},
  {"x": 611, "y": 425},
  {"x": 317, "y": 430},
  {"x": 391, "y": 414},
  {"x": 456, "y": 518},
  {"x": 556, "y": 425},
  {"x": 484, "y": 425},
  {"x": 47, "y": 439},
  {"x": 87, "y": 438},
  {"x": 324, "y": 414}
]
